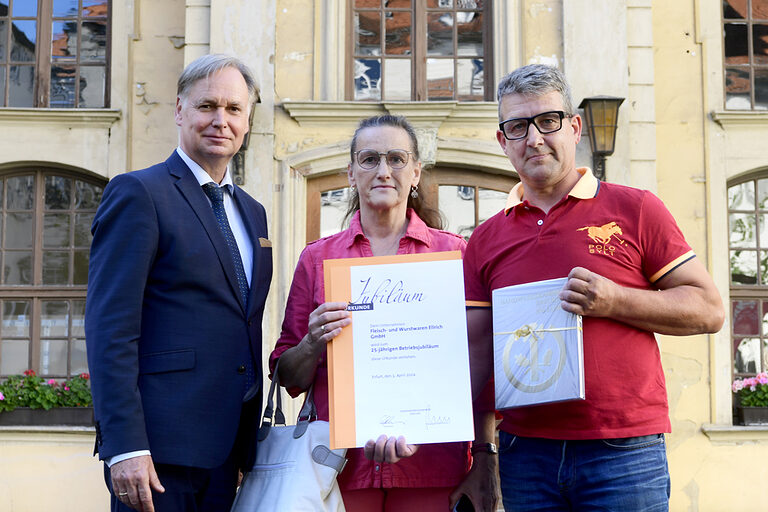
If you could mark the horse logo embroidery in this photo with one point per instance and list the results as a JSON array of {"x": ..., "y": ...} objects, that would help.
[{"x": 602, "y": 236}]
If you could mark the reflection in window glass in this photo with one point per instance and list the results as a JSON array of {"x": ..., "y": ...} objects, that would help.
[
  {"x": 80, "y": 275},
  {"x": 64, "y": 8},
  {"x": 457, "y": 204},
  {"x": 440, "y": 34},
  {"x": 742, "y": 196},
  {"x": 491, "y": 202},
  {"x": 761, "y": 89},
  {"x": 93, "y": 43},
  {"x": 78, "y": 362},
  {"x": 3, "y": 40},
  {"x": 23, "y": 41},
  {"x": 87, "y": 196},
  {"x": 367, "y": 33},
  {"x": 745, "y": 317},
  {"x": 54, "y": 318},
  {"x": 397, "y": 38},
  {"x": 23, "y": 8},
  {"x": 78, "y": 318},
  {"x": 64, "y": 40},
  {"x": 440, "y": 79},
  {"x": 742, "y": 227},
  {"x": 56, "y": 230},
  {"x": 746, "y": 358},
  {"x": 55, "y": 268},
  {"x": 92, "y": 83},
  {"x": 19, "y": 191},
  {"x": 367, "y": 77},
  {"x": 19, "y": 231},
  {"x": 83, "y": 234},
  {"x": 15, "y": 319},
  {"x": 470, "y": 33},
  {"x": 63, "y": 86},
  {"x": 21, "y": 86},
  {"x": 17, "y": 268},
  {"x": 333, "y": 207},
  {"x": 470, "y": 81},
  {"x": 743, "y": 267},
  {"x": 58, "y": 191}
]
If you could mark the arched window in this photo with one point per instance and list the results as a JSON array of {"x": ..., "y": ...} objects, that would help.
[
  {"x": 465, "y": 198},
  {"x": 45, "y": 241}
]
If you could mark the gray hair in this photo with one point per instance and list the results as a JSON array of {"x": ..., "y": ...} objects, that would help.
[
  {"x": 205, "y": 66},
  {"x": 536, "y": 80},
  {"x": 386, "y": 120}
]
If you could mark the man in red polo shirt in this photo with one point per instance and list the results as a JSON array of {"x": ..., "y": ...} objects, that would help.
[{"x": 630, "y": 274}]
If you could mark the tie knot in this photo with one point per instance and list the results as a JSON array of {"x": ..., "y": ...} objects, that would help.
[{"x": 214, "y": 192}]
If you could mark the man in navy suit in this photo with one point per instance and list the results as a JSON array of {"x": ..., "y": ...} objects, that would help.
[{"x": 179, "y": 271}]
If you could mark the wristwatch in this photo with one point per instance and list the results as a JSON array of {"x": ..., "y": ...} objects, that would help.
[{"x": 485, "y": 448}]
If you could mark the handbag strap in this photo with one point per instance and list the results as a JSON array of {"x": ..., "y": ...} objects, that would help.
[
  {"x": 272, "y": 416},
  {"x": 307, "y": 413}
]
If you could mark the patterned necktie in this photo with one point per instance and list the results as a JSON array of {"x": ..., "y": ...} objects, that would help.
[{"x": 216, "y": 195}]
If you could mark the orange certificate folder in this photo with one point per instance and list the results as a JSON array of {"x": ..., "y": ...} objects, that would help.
[{"x": 392, "y": 336}]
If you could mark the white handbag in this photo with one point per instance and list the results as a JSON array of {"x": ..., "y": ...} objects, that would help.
[{"x": 294, "y": 469}]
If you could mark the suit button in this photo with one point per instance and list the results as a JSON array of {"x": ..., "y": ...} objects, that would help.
[{"x": 241, "y": 369}]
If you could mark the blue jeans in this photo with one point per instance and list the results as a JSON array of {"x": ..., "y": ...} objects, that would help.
[{"x": 620, "y": 475}]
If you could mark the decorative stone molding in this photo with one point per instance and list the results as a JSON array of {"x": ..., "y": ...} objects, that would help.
[
  {"x": 724, "y": 118},
  {"x": 99, "y": 118}
]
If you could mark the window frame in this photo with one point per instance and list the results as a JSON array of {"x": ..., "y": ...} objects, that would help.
[
  {"x": 419, "y": 86},
  {"x": 43, "y": 62},
  {"x": 750, "y": 66},
  {"x": 38, "y": 292}
]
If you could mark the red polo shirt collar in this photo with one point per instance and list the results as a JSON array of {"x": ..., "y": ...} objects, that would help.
[{"x": 585, "y": 188}]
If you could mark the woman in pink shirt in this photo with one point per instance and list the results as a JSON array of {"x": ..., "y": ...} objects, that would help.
[{"x": 388, "y": 216}]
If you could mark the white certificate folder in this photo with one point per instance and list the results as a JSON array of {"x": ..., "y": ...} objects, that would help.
[{"x": 538, "y": 351}]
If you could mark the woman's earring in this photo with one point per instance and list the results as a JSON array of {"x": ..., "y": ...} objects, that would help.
[
  {"x": 353, "y": 189},
  {"x": 414, "y": 191}
]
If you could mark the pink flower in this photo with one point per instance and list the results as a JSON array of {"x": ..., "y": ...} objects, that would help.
[
  {"x": 762, "y": 378},
  {"x": 66, "y": 388},
  {"x": 51, "y": 382},
  {"x": 2, "y": 396},
  {"x": 738, "y": 385}
]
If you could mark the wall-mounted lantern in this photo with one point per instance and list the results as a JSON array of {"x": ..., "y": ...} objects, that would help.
[{"x": 601, "y": 114}]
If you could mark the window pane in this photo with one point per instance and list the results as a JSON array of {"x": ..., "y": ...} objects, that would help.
[
  {"x": 742, "y": 196},
  {"x": 55, "y": 267},
  {"x": 2, "y": 86},
  {"x": 737, "y": 89},
  {"x": 440, "y": 79},
  {"x": 333, "y": 206},
  {"x": 14, "y": 356},
  {"x": 746, "y": 358},
  {"x": 736, "y": 43},
  {"x": 746, "y": 318},
  {"x": 398, "y": 4},
  {"x": 21, "y": 86},
  {"x": 78, "y": 318},
  {"x": 83, "y": 235},
  {"x": 23, "y": 40},
  {"x": 470, "y": 81},
  {"x": 442, "y": 4},
  {"x": 58, "y": 192},
  {"x": 3, "y": 39},
  {"x": 735, "y": 9},
  {"x": 491, "y": 203},
  {"x": 367, "y": 3},
  {"x": 440, "y": 34},
  {"x": 759, "y": 9},
  {"x": 81, "y": 267},
  {"x": 87, "y": 196},
  {"x": 368, "y": 33},
  {"x": 56, "y": 230},
  {"x": 26, "y": 8},
  {"x": 63, "y": 86},
  {"x": 20, "y": 192},
  {"x": 457, "y": 203},
  {"x": 17, "y": 268},
  {"x": 742, "y": 226},
  {"x": 367, "y": 76},
  {"x": 470, "y": 4},
  {"x": 62, "y": 8},
  {"x": 92, "y": 83},
  {"x": 54, "y": 318},
  {"x": 763, "y": 267},
  {"x": 397, "y": 37},
  {"x": 64, "y": 40},
  {"x": 397, "y": 79},
  {"x": 761, "y": 89},
  {"x": 760, "y": 44},
  {"x": 15, "y": 319},
  {"x": 469, "y": 27},
  {"x": 53, "y": 357},
  {"x": 19, "y": 231},
  {"x": 94, "y": 8},
  {"x": 93, "y": 44},
  {"x": 743, "y": 267},
  {"x": 78, "y": 362}
]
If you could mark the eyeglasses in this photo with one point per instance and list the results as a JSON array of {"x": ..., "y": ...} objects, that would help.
[
  {"x": 369, "y": 159},
  {"x": 546, "y": 122}
]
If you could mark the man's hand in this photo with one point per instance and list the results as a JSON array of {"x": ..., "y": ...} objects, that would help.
[
  {"x": 388, "y": 449},
  {"x": 133, "y": 481},
  {"x": 480, "y": 484},
  {"x": 589, "y": 294}
]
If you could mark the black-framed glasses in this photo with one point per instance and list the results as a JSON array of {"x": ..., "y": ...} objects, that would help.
[
  {"x": 546, "y": 122},
  {"x": 369, "y": 159}
]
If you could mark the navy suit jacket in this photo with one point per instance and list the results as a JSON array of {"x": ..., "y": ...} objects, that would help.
[{"x": 166, "y": 330}]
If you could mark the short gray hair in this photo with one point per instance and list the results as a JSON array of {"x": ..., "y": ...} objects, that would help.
[
  {"x": 205, "y": 66},
  {"x": 536, "y": 80}
]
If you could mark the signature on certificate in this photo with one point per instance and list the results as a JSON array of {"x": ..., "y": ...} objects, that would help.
[
  {"x": 434, "y": 419},
  {"x": 389, "y": 420}
]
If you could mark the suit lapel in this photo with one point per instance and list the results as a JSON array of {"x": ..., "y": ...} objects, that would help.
[{"x": 192, "y": 192}]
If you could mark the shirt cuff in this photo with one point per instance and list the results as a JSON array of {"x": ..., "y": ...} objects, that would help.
[{"x": 125, "y": 456}]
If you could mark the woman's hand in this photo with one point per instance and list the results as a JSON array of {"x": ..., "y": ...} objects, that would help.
[
  {"x": 326, "y": 322},
  {"x": 388, "y": 449}
]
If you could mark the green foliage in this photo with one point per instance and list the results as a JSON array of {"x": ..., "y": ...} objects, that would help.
[{"x": 31, "y": 391}]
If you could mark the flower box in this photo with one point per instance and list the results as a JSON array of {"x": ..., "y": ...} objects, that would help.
[{"x": 69, "y": 416}]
